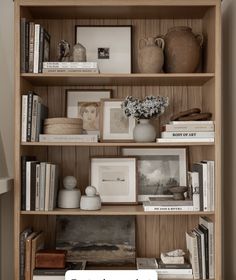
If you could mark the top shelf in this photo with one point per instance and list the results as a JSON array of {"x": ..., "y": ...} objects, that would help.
[
  {"x": 66, "y": 79},
  {"x": 117, "y": 9}
]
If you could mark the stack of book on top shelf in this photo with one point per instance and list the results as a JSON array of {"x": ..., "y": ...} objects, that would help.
[
  {"x": 39, "y": 184},
  {"x": 33, "y": 112},
  {"x": 200, "y": 245},
  {"x": 188, "y": 131},
  {"x": 70, "y": 67},
  {"x": 34, "y": 47},
  {"x": 166, "y": 271}
]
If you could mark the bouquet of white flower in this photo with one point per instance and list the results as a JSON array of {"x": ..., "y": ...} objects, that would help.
[{"x": 150, "y": 107}]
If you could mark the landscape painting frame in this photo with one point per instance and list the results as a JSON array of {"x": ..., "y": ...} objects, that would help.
[{"x": 168, "y": 168}]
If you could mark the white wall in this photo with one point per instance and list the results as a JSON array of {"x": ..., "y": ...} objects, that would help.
[
  {"x": 229, "y": 144},
  {"x": 6, "y": 135}
]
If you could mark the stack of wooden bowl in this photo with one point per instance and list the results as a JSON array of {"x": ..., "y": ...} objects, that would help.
[{"x": 63, "y": 126}]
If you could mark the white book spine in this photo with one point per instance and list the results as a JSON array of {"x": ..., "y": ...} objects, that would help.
[
  {"x": 52, "y": 186},
  {"x": 192, "y": 122},
  {"x": 57, "y": 65},
  {"x": 205, "y": 186},
  {"x": 188, "y": 134},
  {"x": 212, "y": 166},
  {"x": 36, "y": 47},
  {"x": 168, "y": 208},
  {"x": 210, "y": 226},
  {"x": 174, "y": 276},
  {"x": 69, "y": 70},
  {"x": 189, "y": 127},
  {"x": 184, "y": 140},
  {"x": 174, "y": 271},
  {"x": 37, "y": 187},
  {"x": 42, "y": 186},
  {"x": 68, "y": 138},
  {"x": 193, "y": 183},
  {"x": 28, "y": 183},
  {"x": 47, "y": 187},
  {"x": 24, "y": 107},
  {"x": 193, "y": 254}
]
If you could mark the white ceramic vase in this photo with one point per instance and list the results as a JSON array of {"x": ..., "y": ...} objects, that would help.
[{"x": 144, "y": 131}]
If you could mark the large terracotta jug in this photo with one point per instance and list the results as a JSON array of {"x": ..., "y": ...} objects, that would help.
[
  {"x": 151, "y": 56},
  {"x": 182, "y": 50}
]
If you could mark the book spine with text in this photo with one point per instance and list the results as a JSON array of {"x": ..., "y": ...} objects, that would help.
[
  {"x": 68, "y": 65},
  {"x": 41, "y": 35},
  {"x": 37, "y": 187},
  {"x": 188, "y": 134},
  {"x": 27, "y": 48},
  {"x": 47, "y": 186},
  {"x": 189, "y": 127},
  {"x": 28, "y": 185},
  {"x": 36, "y": 101},
  {"x": 191, "y": 241},
  {"x": 31, "y": 47},
  {"x": 23, "y": 45},
  {"x": 36, "y": 47},
  {"x": 174, "y": 271},
  {"x": 84, "y": 70},
  {"x": 68, "y": 138},
  {"x": 168, "y": 208},
  {"x": 29, "y": 115},
  {"x": 24, "y": 109}
]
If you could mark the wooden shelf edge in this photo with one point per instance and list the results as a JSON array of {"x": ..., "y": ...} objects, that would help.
[
  {"x": 114, "y": 210},
  {"x": 118, "y": 144}
]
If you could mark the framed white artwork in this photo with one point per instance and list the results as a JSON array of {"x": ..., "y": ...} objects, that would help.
[{"x": 109, "y": 46}]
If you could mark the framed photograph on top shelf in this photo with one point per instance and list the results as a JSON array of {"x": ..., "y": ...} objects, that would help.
[
  {"x": 109, "y": 46},
  {"x": 158, "y": 170},
  {"x": 86, "y": 104},
  {"x": 115, "y": 179},
  {"x": 115, "y": 126}
]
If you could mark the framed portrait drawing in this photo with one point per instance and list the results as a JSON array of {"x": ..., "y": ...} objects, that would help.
[
  {"x": 115, "y": 126},
  {"x": 86, "y": 104},
  {"x": 115, "y": 179},
  {"x": 109, "y": 46},
  {"x": 158, "y": 170}
]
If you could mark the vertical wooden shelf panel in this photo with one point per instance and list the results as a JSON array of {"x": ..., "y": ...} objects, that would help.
[{"x": 154, "y": 233}]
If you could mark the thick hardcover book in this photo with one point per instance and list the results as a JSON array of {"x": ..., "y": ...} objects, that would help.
[
  {"x": 30, "y": 167},
  {"x": 42, "y": 186},
  {"x": 40, "y": 50},
  {"x": 189, "y": 127},
  {"x": 28, "y": 251},
  {"x": 53, "y": 187},
  {"x": 37, "y": 187},
  {"x": 210, "y": 226},
  {"x": 147, "y": 207},
  {"x": 68, "y": 138},
  {"x": 173, "y": 266},
  {"x": 211, "y": 184},
  {"x": 23, "y": 237},
  {"x": 36, "y": 101},
  {"x": 33, "y": 185},
  {"x": 202, "y": 171},
  {"x": 68, "y": 65},
  {"x": 24, "y": 109},
  {"x": 27, "y": 48},
  {"x": 184, "y": 140},
  {"x": 37, "y": 244},
  {"x": 199, "y": 248},
  {"x": 188, "y": 135},
  {"x": 192, "y": 122},
  {"x": 31, "y": 47},
  {"x": 65, "y": 70},
  {"x": 44, "y": 48},
  {"x": 201, "y": 234},
  {"x": 29, "y": 114},
  {"x": 47, "y": 186},
  {"x": 162, "y": 201},
  {"x": 42, "y": 114},
  {"x": 178, "y": 271},
  {"x": 192, "y": 247},
  {"x": 23, "y": 45},
  {"x": 24, "y": 159},
  {"x": 175, "y": 276}
]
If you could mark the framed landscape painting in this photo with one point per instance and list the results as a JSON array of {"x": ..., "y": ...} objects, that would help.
[{"x": 159, "y": 169}]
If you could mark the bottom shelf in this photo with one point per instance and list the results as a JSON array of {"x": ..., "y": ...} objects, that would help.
[{"x": 115, "y": 210}]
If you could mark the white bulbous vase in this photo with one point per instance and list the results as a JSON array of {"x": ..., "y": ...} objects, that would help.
[{"x": 144, "y": 131}]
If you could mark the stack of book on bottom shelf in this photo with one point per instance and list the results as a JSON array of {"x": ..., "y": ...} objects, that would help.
[
  {"x": 166, "y": 271},
  {"x": 168, "y": 204},
  {"x": 200, "y": 245},
  {"x": 39, "y": 184},
  {"x": 188, "y": 131}
]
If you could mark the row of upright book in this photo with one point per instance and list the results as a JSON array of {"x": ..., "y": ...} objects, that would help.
[
  {"x": 33, "y": 113},
  {"x": 34, "y": 46},
  {"x": 39, "y": 184},
  {"x": 188, "y": 131},
  {"x": 199, "y": 196}
]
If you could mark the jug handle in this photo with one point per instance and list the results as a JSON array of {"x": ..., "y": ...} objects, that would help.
[
  {"x": 160, "y": 43},
  {"x": 200, "y": 38},
  {"x": 140, "y": 41}
]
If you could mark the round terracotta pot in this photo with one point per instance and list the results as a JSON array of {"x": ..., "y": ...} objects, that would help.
[
  {"x": 151, "y": 56},
  {"x": 182, "y": 50}
]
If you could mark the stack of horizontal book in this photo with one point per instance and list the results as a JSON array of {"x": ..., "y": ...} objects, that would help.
[
  {"x": 39, "y": 184},
  {"x": 168, "y": 204},
  {"x": 166, "y": 271},
  {"x": 188, "y": 131},
  {"x": 200, "y": 245},
  {"x": 34, "y": 46},
  {"x": 81, "y": 138},
  {"x": 70, "y": 67},
  {"x": 33, "y": 113}
]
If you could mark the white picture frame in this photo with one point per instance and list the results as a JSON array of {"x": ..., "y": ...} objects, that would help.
[
  {"x": 76, "y": 100},
  {"x": 115, "y": 126},
  {"x": 158, "y": 169},
  {"x": 109, "y": 46},
  {"x": 115, "y": 179}
]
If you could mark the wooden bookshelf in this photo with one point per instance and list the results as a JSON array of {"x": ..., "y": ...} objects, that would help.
[{"x": 156, "y": 231}]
